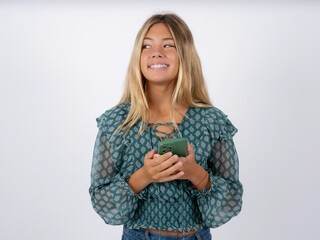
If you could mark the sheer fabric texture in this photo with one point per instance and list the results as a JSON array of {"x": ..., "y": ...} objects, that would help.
[{"x": 176, "y": 205}]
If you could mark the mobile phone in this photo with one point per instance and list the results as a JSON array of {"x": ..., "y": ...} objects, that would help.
[{"x": 178, "y": 146}]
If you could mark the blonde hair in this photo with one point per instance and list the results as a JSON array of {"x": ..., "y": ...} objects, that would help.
[{"x": 190, "y": 89}]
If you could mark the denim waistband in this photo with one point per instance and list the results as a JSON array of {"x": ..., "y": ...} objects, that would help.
[{"x": 141, "y": 234}]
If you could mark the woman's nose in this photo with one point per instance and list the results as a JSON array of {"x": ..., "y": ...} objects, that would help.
[{"x": 157, "y": 53}]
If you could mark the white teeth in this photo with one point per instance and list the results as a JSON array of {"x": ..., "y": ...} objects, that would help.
[{"x": 159, "y": 66}]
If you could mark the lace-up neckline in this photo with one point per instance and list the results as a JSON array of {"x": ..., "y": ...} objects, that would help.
[{"x": 162, "y": 135}]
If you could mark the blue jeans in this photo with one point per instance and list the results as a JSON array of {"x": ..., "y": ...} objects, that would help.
[{"x": 140, "y": 234}]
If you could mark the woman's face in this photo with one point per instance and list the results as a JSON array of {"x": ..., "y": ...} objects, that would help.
[{"x": 159, "y": 60}]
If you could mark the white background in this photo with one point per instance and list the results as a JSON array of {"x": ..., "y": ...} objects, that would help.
[{"x": 63, "y": 64}]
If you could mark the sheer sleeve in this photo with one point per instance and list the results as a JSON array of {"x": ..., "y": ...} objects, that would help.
[
  {"x": 111, "y": 196},
  {"x": 224, "y": 199}
]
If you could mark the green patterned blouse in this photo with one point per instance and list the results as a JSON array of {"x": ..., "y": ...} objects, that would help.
[{"x": 175, "y": 205}]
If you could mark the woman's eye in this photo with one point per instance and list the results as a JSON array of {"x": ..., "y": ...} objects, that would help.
[
  {"x": 168, "y": 46},
  {"x": 145, "y": 46}
]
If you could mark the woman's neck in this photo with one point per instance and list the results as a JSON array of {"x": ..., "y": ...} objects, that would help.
[
  {"x": 160, "y": 104},
  {"x": 160, "y": 97}
]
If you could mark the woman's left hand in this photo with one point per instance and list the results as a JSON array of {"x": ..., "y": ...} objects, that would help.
[
  {"x": 190, "y": 167},
  {"x": 192, "y": 171}
]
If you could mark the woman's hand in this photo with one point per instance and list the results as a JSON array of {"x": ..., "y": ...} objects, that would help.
[
  {"x": 167, "y": 167},
  {"x": 156, "y": 168},
  {"x": 189, "y": 164},
  {"x": 161, "y": 168},
  {"x": 193, "y": 171}
]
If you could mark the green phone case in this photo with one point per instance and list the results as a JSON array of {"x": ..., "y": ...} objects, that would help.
[{"x": 177, "y": 146}]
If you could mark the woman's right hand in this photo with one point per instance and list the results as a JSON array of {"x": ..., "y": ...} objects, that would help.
[
  {"x": 161, "y": 168},
  {"x": 156, "y": 168}
]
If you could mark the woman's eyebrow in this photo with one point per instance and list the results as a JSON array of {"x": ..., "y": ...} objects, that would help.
[{"x": 163, "y": 39}]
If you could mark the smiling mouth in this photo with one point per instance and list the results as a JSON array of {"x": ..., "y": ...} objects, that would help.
[{"x": 156, "y": 66}]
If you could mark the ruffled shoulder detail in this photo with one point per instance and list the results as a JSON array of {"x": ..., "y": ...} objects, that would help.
[
  {"x": 112, "y": 118},
  {"x": 218, "y": 124}
]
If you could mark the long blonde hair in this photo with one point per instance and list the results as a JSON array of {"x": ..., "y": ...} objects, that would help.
[{"x": 190, "y": 89}]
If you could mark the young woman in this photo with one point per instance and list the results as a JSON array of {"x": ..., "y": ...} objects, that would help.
[{"x": 165, "y": 196}]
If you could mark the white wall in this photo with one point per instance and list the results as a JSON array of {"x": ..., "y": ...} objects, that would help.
[{"x": 63, "y": 64}]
